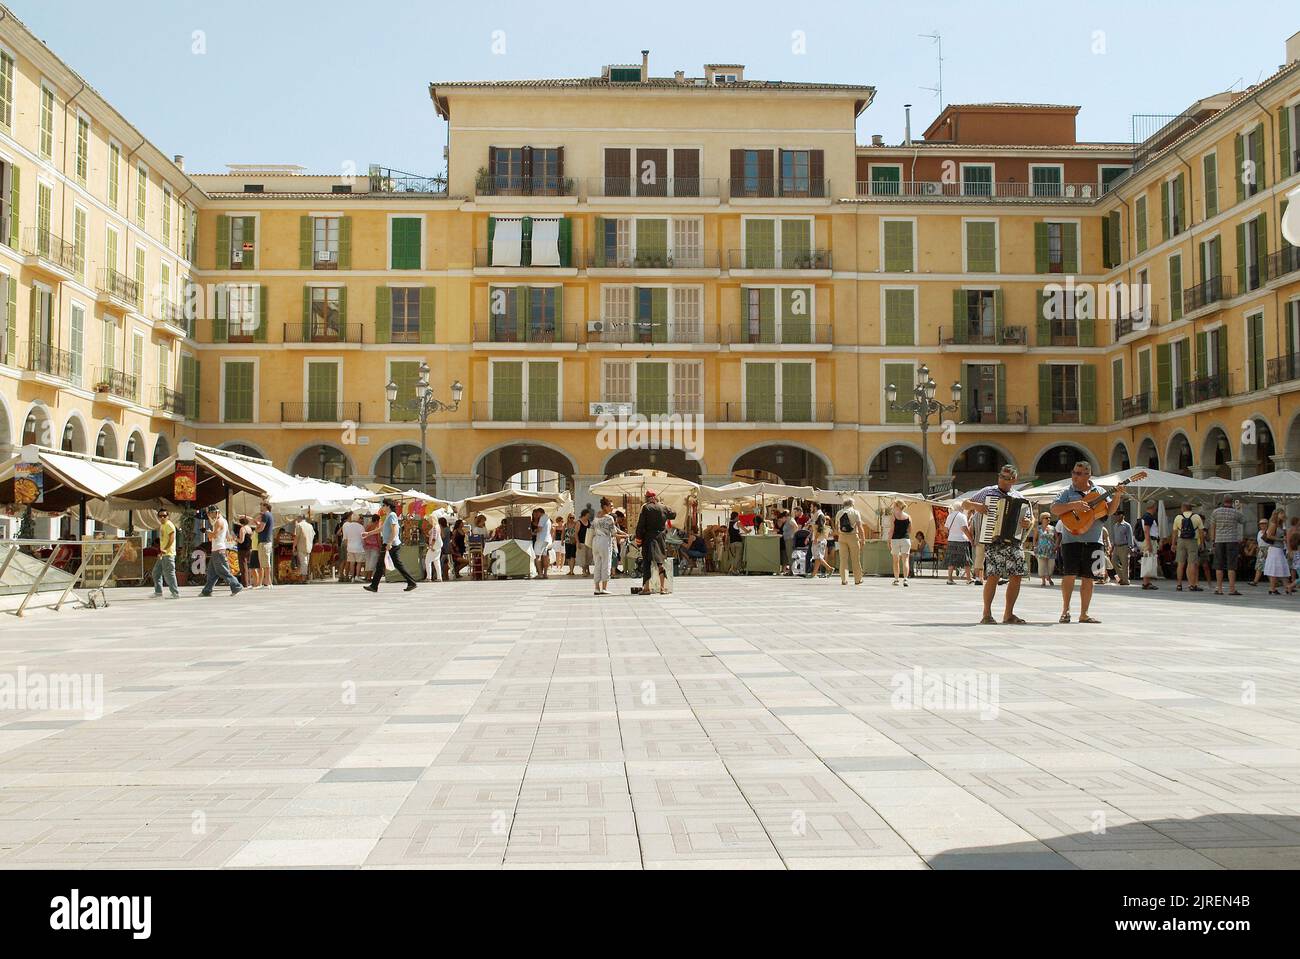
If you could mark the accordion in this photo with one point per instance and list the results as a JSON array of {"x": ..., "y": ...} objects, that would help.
[{"x": 1002, "y": 521}]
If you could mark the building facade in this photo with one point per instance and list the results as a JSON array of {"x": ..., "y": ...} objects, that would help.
[{"x": 716, "y": 251}]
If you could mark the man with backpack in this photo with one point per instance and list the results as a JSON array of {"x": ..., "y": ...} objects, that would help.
[
  {"x": 851, "y": 540},
  {"x": 1188, "y": 530}
]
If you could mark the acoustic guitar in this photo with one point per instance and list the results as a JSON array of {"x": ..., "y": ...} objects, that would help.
[{"x": 1094, "y": 506}]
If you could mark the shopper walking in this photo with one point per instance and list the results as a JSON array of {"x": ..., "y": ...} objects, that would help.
[
  {"x": 218, "y": 565},
  {"x": 821, "y": 534},
  {"x": 1276, "y": 568},
  {"x": 1121, "y": 539},
  {"x": 1045, "y": 549},
  {"x": 390, "y": 535},
  {"x": 651, "y": 536},
  {"x": 1148, "y": 534},
  {"x": 542, "y": 541},
  {"x": 1188, "y": 530},
  {"x": 164, "y": 569},
  {"x": 354, "y": 549},
  {"x": 900, "y": 540},
  {"x": 304, "y": 539},
  {"x": 957, "y": 551},
  {"x": 1227, "y": 527},
  {"x": 851, "y": 540}
]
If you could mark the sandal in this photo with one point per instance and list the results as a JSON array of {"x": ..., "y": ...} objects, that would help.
[
  {"x": 1065, "y": 617},
  {"x": 988, "y": 621},
  {"x": 1085, "y": 618},
  {"x": 1013, "y": 621},
  {"x": 1234, "y": 593}
]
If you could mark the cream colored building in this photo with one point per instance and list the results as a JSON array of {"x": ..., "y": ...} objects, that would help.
[{"x": 713, "y": 248}]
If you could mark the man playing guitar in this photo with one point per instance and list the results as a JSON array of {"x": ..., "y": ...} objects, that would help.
[{"x": 1081, "y": 551}]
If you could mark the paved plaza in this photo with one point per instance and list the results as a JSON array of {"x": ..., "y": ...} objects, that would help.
[{"x": 740, "y": 722}]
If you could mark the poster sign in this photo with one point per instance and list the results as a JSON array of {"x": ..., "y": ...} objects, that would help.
[
  {"x": 29, "y": 484},
  {"x": 185, "y": 483}
]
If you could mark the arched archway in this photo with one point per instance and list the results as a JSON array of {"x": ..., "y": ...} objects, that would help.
[
  {"x": 977, "y": 466},
  {"x": 6, "y": 431},
  {"x": 1258, "y": 456},
  {"x": 106, "y": 442},
  {"x": 897, "y": 469},
  {"x": 672, "y": 461},
  {"x": 531, "y": 466},
  {"x": 135, "y": 449},
  {"x": 1216, "y": 451},
  {"x": 242, "y": 449},
  {"x": 323, "y": 461},
  {"x": 1119, "y": 457},
  {"x": 37, "y": 428},
  {"x": 399, "y": 465},
  {"x": 162, "y": 448},
  {"x": 790, "y": 463},
  {"x": 1056, "y": 462},
  {"x": 1293, "y": 439},
  {"x": 1148, "y": 457},
  {"x": 1178, "y": 455},
  {"x": 73, "y": 438}
]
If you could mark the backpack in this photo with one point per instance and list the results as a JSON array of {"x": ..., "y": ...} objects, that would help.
[
  {"x": 846, "y": 522},
  {"x": 1186, "y": 528}
]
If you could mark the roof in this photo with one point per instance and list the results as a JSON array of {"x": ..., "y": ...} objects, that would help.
[
  {"x": 69, "y": 476},
  {"x": 951, "y": 147},
  {"x": 1010, "y": 106}
]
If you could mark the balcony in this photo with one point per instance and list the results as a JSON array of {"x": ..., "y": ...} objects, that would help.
[
  {"x": 785, "y": 260},
  {"x": 118, "y": 291},
  {"x": 1060, "y": 414},
  {"x": 171, "y": 316},
  {"x": 777, "y": 188},
  {"x": 491, "y": 185},
  {"x": 1137, "y": 321},
  {"x": 678, "y": 260},
  {"x": 1206, "y": 388},
  {"x": 51, "y": 254},
  {"x": 320, "y": 411},
  {"x": 1280, "y": 263},
  {"x": 386, "y": 180},
  {"x": 508, "y": 329},
  {"x": 171, "y": 401},
  {"x": 1137, "y": 405},
  {"x": 51, "y": 361},
  {"x": 998, "y": 415},
  {"x": 924, "y": 190},
  {"x": 1284, "y": 369},
  {"x": 664, "y": 187},
  {"x": 1212, "y": 290},
  {"x": 110, "y": 382},
  {"x": 977, "y": 334},
  {"x": 647, "y": 332},
  {"x": 758, "y": 413},
  {"x": 522, "y": 411},
  {"x": 789, "y": 335},
  {"x": 483, "y": 260},
  {"x": 324, "y": 331}
]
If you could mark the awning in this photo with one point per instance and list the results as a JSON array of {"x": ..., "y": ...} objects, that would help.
[
  {"x": 220, "y": 473},
  {"x": 1157, "y": 484},
  {"x": 1277, "y": 485},
  {"x": 507, "y": 241},
  {"x": 1291, "y": 218},
  {"x": 507, "y": 499},
  {"x": 546, "y": 241},
  {"x": 69, "y": 477},
  {"x": 747, "y": 492}
]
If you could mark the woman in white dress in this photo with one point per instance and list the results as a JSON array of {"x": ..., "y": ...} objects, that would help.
[
  {"x": 1275, "y": 564},
  {"x": 433, "y": 554},
  {"x": 604, "y": 533},
  {"x": 542, "y": 541}
]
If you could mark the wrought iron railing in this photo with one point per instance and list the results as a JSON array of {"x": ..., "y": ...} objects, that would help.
[
  {"x": 509, "y": 329},
  {"x": 320, "y": 411},
  {"x": 1137, "y": 405},
  {"x": 323, "y": 331},
  {"x": 1280, "y": 262},
  {"x": 752, "y": 187},
  {"x": 997, "y": 415},
  {"x": 116, "y": 383},
  {"x": 978, "y": 192},
  {"x": 52, "y": 361},
  {"x": 52, "y": 248},
  {"x": 1283, "y": 369},
  {"x": 800, "y": 259},
  {"x": 171, "y": 401},
  {"x": 386, "y": 180},
  {"x": 118, "y": 285},
  {"x": 969, "y": 335},
  {"x": 622, "y": 330},
  {"x": 493, "y": 185},
  {"x": 790, "y": 334},
  {"x": 602, "y": 259},
  {"x": 769, "y": 412},
  {"x": 615, "y": 186},
  {"x": 1208, "y": 291},
  {"x": 526, "y": 410},
  {"x": 571, "y": 259},
  {"x": 1206, "y": 388}
]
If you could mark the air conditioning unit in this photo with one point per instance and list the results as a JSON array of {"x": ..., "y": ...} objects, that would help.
[
  {"x": 612, "y": 409},
  {"x": 595, "y": 326},
  {"x": 931, "y": 188},
  {"x": 236, "y": 256}
]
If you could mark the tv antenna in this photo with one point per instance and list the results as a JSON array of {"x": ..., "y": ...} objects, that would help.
[{"x": 938, "y": 40}]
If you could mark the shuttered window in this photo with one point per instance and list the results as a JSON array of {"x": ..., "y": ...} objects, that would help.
[
  {"x": 45, "y": 140},
  {"x": 760, "y": 392},
  {"x": 1140, "y": 218},
  {"x": 899, "y": 246},
  {"x": 237, "y": 401},
  {"x": 83, "y": 149},
  {"x": 406, "y": 243},
  {"x": 981, "y": 246},
  {"x": 323, "y": 391},
  {"x": 1255, "y": 351},
  {"x": 902, "y": 377},
  {"x": 1210, "y": 172},
  {"x": 406, "y": 374},
  {"x": 900, "y": 317}
]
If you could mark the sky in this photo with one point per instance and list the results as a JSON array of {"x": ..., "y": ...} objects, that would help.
[{"x": 328, "y": 84}]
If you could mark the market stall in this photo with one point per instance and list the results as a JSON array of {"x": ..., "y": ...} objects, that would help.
[{"x": 69, "y": 481}]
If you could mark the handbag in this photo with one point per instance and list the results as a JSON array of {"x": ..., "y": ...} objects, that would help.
[{"x": 1150, "y": 567}]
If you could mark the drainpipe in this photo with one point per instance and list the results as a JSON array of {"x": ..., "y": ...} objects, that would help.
[{"x": 56, "y": 320}]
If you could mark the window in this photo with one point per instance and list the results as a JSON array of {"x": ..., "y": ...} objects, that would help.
[
  {"x": 79, "y": 243},
  {"x": 114, "y": 173},
  {"x": 323, "y": 391},
  {"x": 886, "y": 180},
  {"x": 1255, "y": 379},
  {"x": 406, "y": 374},
  {"x": 110, "y": 250},
  {"x": 1210, "y": 175},
  {"x": 983, "y": 386},
  {"x": 1180, "y": 362},
  {"x": 6, "y": 89},
  {"x": 798, "y": 173},
  {"x": 9, "y": 179},
  {"x": 405, "y": 243},
  {"x": 44, "y": 202},
  {"x": 977, "y": 316},
  {"x": 524, "y": 171},
  {"x": 899, "y": 245},
  {"x": 1110, "y": 175},
  {"x": 1117, "y": 388},
  {"x": 1175, "y": 288},
  {"x": 77, "y": 343},
  {"x": 236, "y": 242},
  {"x": 1140, "y": 218},
  {"x": 406, "y": 314},
  {"x": 139, "y": 278},
  {"x": 900, "y": 316},
  {"x": 164, "y": 367},
  {"x": 1144, "y": 377},
  {"x": 655, "y": 386},
  {"x": 237, "y": 318},
  {"x": 976, "y": 179},
  {"x": 325, "y": 243},
  {"x": 83, "y": 149},
  {"x": 795, "y": 175},
  {"x": 1252, "y": 250},
  {"x": 751, "y": 173},
  {"x": 141, "y": 193},
  {"x": 45, "y": 139},
  {"x": 1172, "y": 219},
  {"x": 776, "y": 315},
  {"x": 326, "y": 312},
  {"x": 523, "y": 314},
  {"x": 532, "y": 241},
  {"x": 788, "y": 242},
  {"x": 1065, "y": 393},
  {"x": 1249, "y": 156},
  {"x": 1056, "y": 247},
  {"x": 167, "y": 216},
  {"x": 981, "y": 246},
  {"x": 525, "y": 390},
  {"x": 1048, "y": 180},
  {"x": 108, "y": 342},
  {"x": 137, "y": 366},
  {"x": 778, "y": 392},
  {"x": 238, "y": 386},
  {"x": 1111, "y": 253}
]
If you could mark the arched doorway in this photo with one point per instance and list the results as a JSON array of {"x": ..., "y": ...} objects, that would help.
[
  {"x": 162, "y": 449},
  {"x": 242, "y": 449},
  {"x": 323, "y": 461},
  {"x": 528, "y": 466},
  {"x": 1258, "y": 456},
  {"x": 1056, "y": 463},
  {"x": 1216, "y": 451},
  {"x": 896, "y": 469},
  {"x": 1178, "y": 459},
  {"x": 37, "y": 428},
  {"x": 1148, "y": 457},
  {"x": 106, "y": 442},
  {"x": 135, "y": 446},
  {"x": 977, "y": 467},
  {"x": 1119, "y": 458},
  {"x": 74, "y": 436},
  {"x": 672, "y": 461},
  {"x": 784, "y": 462},
  {"x": 1292, "y": 441},
  {"x": 6, "y": 436},
  {"x": 400, "y": 466}
]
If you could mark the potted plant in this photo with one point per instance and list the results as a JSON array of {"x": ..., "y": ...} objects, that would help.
[
  {"x": 103, "y": 386},
  {"x": 483, "y": 182}
]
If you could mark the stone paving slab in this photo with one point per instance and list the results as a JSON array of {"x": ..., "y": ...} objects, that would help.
[{"x": 738, "y": 723}]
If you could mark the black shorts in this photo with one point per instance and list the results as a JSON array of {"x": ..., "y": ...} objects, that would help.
[
  {"x": 1078, "y": 559},
  {"x": 252, "y": 560}
]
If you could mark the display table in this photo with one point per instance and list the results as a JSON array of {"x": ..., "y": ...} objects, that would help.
[
  {"x": 762, "y": 554},
  {"x": 876, "y": 558},
  {"x": 517, "y": 557}
]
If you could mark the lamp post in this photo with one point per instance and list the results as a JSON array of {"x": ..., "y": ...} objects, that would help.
[
  {"x": 424, "y": 405},
  {"x": 923, "y": 405}
]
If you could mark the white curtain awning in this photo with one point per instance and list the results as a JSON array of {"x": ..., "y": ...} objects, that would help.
[
  {"x": 507, "y": 242},
  {"x": 1277, "y": 485},
  {"x": 546, "y": 241}
]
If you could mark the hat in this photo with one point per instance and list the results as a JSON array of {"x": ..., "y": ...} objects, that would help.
[
  {"x": 214, "y": 508},
  {"x": 650, "y": 493}
]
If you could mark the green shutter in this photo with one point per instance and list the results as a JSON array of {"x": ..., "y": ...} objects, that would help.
[
  {"x": 1070, "y": 247},
  {"x": 221, "y": 317},
  {"x": 1242, "y": 276},
  {"x": 543, "y": 390},
  {"x": 1107, "y": 257},
  {"x": 981, "y": 247},
  {"x": 999, "y": 315},
  {"x": 659, "y": 316},
  {"x": 796, "y": 243},
  {"x": 902, "y": 376},
  {"x": 1088, "y": 393},
  {"x": 1284, "y": 143},
  {"x": 508, "y": 390},
  {"x": 1175, "y": 289},
  {"x": 898, "y": 246},
  {"x": 796, "y": 392},
  {"x": 239, "y": 392},
  {"x": 523, "y": 312},
  {"x": 1116, "y": 389},
  {"x": 767, "y": 316},
  {"x": 760, "y": 244},
  {"x": 1044, "y": 394},
  {"x": 223, "y": 243},
  {"x": 1087, "y": 324},
  {"x": 1257, "y": 351},
  {"x": 1140, "y": 210},
  {"x": 960, "y": 326},
  {"x": 796, "y": 327},
  {"x": 259, "y": 334},
  {"x": 322, "y": 392},
  {"x": 1116, "y": 244},
  {"x": 345, "y": 243},
  {"x": 526, "y": 241},
  {"x": 1184, "y": 370},
  {"x": 1180, "y": 205},
  {"x": 566, "y": 241},
  {"x": 900, "y": 312},
  {"x": 250, "y": 237},
  {"x": 652, "y": 388},
  {"x": 428, "y": 298},
  {"x": 1239, "y": 159},
  {"x": 15, "y": 176},
  {"x": 1000, "y": 383},
  {"x": 384, "y": 314},
  {"x": 1257, "y": 154},
  {"x": 1210, "y": 164},
  {"x": 1261, "y": 245},
  {"x": 1164, "y": 210},
  {"x": 598, "y": 241},
  {"x": 343, "y": 310},
  {"x": 1044, "y": 320},
  {"x": 1042, "y": 254},
  {"x": 760, "y": 392},
  {"x": 306, "y": 314},
  {"x": 1164, "y": 378},
  {"x": 306, "y": 227},
  {"x": 491, "y": 230},
  {"x": 10, "y": 344},
  {"x": 1221, "y": 342},
  {"x": 404, "y": 240},
  {"x": 1202, "y": 354}
]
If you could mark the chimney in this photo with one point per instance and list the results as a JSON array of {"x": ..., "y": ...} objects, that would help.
[
  {"x": 907, "y": 124},
  {"x": 679, "y": 76},
  {"x": 877, "y": 140},
  {"x": 645, "y": 65},
  {"x": 180, "y": 162},
  {"x": 1293, "y": 48}
]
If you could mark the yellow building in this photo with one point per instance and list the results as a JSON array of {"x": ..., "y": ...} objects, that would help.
[{"x": 715, "y": 251}]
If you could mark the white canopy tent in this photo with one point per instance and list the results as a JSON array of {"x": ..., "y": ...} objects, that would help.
[
  {"x": 246, "y": 479},
  {"x": 1156, "y": 485},
  {"x": 753, "y": 492},
  {"x": 674, "y": 491},
  {"x": 1279, "y": 485},
  {"x": 71, "y": 478},
  {"x": 318, "y": 496}
]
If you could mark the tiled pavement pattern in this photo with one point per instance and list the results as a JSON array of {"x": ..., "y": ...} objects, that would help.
[{"x": 736, "y": 723}]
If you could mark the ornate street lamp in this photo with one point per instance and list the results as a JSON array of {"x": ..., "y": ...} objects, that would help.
[
  {"x": 923, "y": 405},
  {"x": 424, "y": 405}
]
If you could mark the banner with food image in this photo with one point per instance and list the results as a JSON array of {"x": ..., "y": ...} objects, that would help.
[
  {"x": 29, "y": 484},
  {"x": 185, "y": 483}
]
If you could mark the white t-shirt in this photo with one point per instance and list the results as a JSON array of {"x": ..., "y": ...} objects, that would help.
[
  {"x": 958, "y": 528},
  {"x": 354, "y": 536},
  {"x": 1060, "y": 526},
  {"x": 543, "y": 539},
  {"x": 219, "y": 534}
]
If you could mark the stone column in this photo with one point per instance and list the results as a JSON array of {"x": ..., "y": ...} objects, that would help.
[
  {"x": 1241, "y": 469},
  {"x": 1204, "y": 472},
  {"x": 847, "y": 481},
  {"x": 454, "y": 486},
  {"x": 582, "y": 495},
  {"x": 1282, "y": 461}
]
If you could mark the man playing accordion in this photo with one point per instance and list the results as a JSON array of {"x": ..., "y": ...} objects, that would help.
[{"x": 1003, "y": 557}]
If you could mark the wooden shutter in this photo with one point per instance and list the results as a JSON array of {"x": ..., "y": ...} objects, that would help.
[
  {"x": 796, "y": 244},
  {"x": 898, "y": 246},
  {"x": 900, "y": 313},
  {"x": 1041, "y": 248},
  {"x": 737, "y": 184},
  {"x": 322, "y": 392},
  {"x": 1087, "y": 324},
  {"x": 656, "y": 174},
  {"x": 259, "y": 332},
  {"x": 223, "y": 244},
  {"x": 1116, "y": 388},
  {"x": 384, "y": 314},
  {"x": 1210, "y": 167},
  {"x": 767, "y": 316},
  {"x": 760, "y": 244},
  {"x": 1070, "y": 247},
  {"x": 343, "y": 311},
  {"x": 618, "y": 171},
  {"x": 796, "y": 327},
  {"x": 1202, "y": 354},
  {"x": 902, "y": 376},
  {"x": 760, "y": 392},
  {"x": 250, "y": 237},
  {"x": 981, "y": 253},
  {"x": 428, "y": 299},
  {"x": 651, "y": 388},
  {"x": 1243, "y": 278},
  {"x": 817, "y": 173},
  {"x": 766, "y": 174},
  {"x": 239, "y": 392},
  {"x": 1261, "y": 246},
  {"x": 345, "y": 243},
  {"x": 1221, "y": 370},
  {"x": 543, "y": 390},
  {"x": 1284, "y": 143},
  {"x": 1164, "y": 377},
  {"x": 1140, "y": 215},
  {"x": 565, "y": 241},
  {"x": 1180, "y": 206},
  {"x": 652, "y": 242},
  {"x": 1257, "y": 154},
  {"x": 686, "y": 172},
  {"x": 306, "y": 314},
  {"x": 15, "y": 176},
  {"x": 221, "y": 315},
  {"x": 306, "y": 234},
  {"x": 1044, "y": 394},
  {"x": 1088, "y": 393},
  {"x": 10, "y": 344},
  {"x": 960, "y": 321},
  {"x": 1165, "y": 231},
  {"x": 1239, "y": 160},
  {"x": 659, "y": 315},
  {"x": 796, "y": 392},
  {"x": 1044, "y": 321},
  {"x": 508, "y": 390},
  {"x": 1175, "y": 288}
]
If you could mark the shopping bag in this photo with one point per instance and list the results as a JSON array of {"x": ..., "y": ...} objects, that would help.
[{"x": 1150, "y": 568}]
